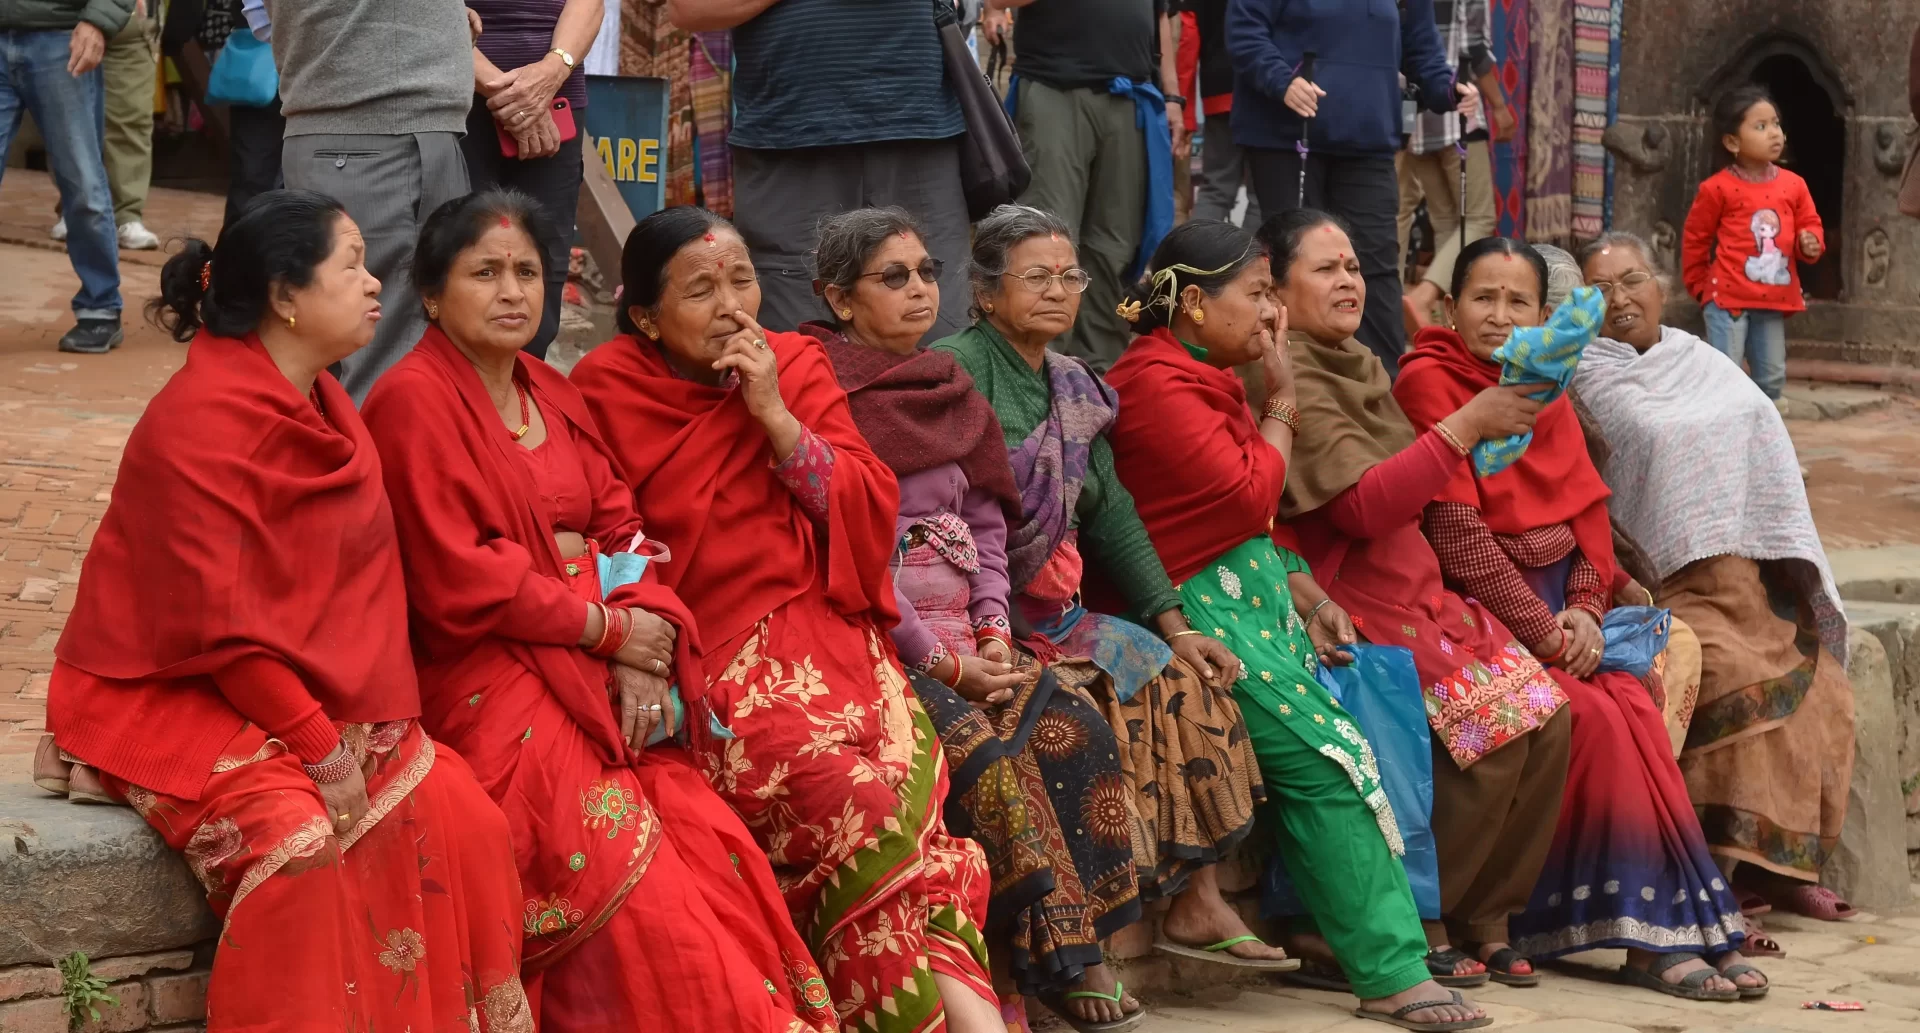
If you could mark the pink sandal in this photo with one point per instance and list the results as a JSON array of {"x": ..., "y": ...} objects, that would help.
[{"x": 1819, "y": 902}]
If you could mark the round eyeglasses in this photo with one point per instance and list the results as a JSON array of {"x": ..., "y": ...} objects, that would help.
[{"x": 1038, "y": 279}]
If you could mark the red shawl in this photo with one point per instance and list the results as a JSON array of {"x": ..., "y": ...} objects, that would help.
[
  {"x": 1554, "y": 482},
  {"x": 243, "y": 524},
  {"x": 476, "y": 543},
  {"x": 700, "y": 468},
  {"x": 920, "y": 411},
  {"x": 1188, "y": 448}
]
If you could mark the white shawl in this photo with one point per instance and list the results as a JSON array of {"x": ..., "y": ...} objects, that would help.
[{"x": 1702, "y": 465}]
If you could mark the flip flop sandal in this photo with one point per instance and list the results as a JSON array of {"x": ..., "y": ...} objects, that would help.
[
  {"x": 1316, "y": 976},
  {"x": 1500, "y": 968},
  {"x": 1747, "y": 993},
  {"x": 1398, "y": 1017},
  {"x": 1132, "y": 1019},
  {"x": 1219, "y": 954},
  {"x": 1442, "y": 966},
  {"x": 1759, "y": 945},
  {"x": 1820, "y": 902},
  {"x": 1692, "y": 986}
]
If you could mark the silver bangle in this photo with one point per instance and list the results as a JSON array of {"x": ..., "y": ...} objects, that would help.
[{"x": 1315, "y": 612}]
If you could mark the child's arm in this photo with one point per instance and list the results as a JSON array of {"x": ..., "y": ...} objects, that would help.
[
  {"x": 1810, "y": 236},
  {"x": 1697, "y": 239}
]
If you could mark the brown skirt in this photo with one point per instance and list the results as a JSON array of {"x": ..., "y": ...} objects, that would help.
[{"x": 1769, "y": 754}]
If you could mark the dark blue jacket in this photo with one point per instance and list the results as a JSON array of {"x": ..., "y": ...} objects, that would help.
[{"x": 1361, "y": 46}]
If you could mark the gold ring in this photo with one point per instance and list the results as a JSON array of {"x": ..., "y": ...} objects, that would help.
[
  {"x": 343, "y": 818},
  {"x": 1593, "y": 652},
  {"x": 760, "y": 343},
  {"x": 659, "y": 668}
]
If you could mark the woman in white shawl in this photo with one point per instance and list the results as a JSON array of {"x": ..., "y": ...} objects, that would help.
[{"x": 1705, "y": 478}]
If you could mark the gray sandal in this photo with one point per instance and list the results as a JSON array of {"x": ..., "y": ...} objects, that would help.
[
  {"x": 1692, "y": 986},
  {"x": 1747, "y": 993},
  {"x": 1398, "y": 1017}
]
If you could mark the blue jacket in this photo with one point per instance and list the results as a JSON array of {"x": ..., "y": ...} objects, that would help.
[{"x": 1361, "y": 47}]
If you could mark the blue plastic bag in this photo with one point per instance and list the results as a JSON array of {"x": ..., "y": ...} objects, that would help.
[
  {"x": 243, "y": 74},
  {"x": 1634, "y": 636},
  {"x": 625, "y": 568},
  {"x": 1381, "y": 691}
]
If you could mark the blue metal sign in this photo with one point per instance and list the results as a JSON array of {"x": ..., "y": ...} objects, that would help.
[{"x": 627, "y": 121}]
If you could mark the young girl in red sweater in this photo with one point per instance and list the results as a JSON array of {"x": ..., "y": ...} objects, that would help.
[{"x": 1748, "y": 223}]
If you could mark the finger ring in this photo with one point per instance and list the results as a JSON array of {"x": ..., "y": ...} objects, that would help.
[
  {"x": 659, "y": 668},
  {"x": 343, "y": 818},
  {"x": 760, "y": 343},
  {"x": 1593, "y": 652},
  {"x": 653, "y": 708}
]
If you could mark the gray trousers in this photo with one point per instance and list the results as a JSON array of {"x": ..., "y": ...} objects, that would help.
[
  {"x": 1089, "y": 165},
  {"x": 780, "y": 197},
  {"x": 1224, "y": 168},
  {"x": 389, "y": 185}
]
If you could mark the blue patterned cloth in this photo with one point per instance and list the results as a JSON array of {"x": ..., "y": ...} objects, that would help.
[{"x": 1542, "y": 355}]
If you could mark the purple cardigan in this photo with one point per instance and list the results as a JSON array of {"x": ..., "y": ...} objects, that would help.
[{"x": 924, "y": 494}]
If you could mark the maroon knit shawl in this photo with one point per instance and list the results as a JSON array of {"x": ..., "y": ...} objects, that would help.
[{"x": 919, "y": 411}]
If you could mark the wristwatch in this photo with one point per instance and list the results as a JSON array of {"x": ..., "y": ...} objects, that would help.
[{"x": 565, "y": 58}]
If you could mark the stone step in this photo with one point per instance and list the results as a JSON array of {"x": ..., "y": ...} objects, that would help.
[
  {"x": 1818, "y": 401},
  {"x": 1887, "y": 574}
]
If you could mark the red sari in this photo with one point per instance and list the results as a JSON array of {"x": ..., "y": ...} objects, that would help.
[
  {"x": 241, "y": 612},
  {"x": 647, "y": 903},
  {"x": 808, "y": 728},
  {"x": 1625, "y": 821}
]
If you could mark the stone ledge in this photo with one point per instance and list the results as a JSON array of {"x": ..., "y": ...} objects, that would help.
[
  {"x": 1869, "y": 866},
  {"x": 96, "y": 879},
  {"x": 1888, "y": 574}
]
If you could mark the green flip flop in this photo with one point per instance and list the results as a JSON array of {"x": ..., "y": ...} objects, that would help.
[
  {"x": 1218, "y": 954},
  {"x": 1057, "y": 1002}
]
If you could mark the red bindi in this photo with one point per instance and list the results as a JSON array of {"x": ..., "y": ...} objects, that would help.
[
  {"x": 506, "y": 223},
  {"x": 710, "y": 239}
]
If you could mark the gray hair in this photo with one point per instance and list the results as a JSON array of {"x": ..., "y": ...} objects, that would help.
[
  {"x": 1621, "y": 238},
  {"x": 849, "y": 239},
  {"x": 1004, "y": 229},
  {"x": 1563, "y": 273}
]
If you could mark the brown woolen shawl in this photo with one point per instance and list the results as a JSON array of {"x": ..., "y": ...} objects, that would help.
[{"x": 1349, "y": 421}]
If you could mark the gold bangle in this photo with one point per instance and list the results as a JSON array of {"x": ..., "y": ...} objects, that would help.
[
  {"x": 1179, "y": 634},
  {"x": 1649, "y": 592},
  {"x": 1282, "y": 410},
  {"x": 1452, "y": 442}
]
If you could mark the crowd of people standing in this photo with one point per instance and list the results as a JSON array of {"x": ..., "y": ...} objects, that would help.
[{"x": 868, "y": 673}]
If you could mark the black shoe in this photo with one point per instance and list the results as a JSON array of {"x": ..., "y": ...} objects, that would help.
[{"x": 93, "y": 337}]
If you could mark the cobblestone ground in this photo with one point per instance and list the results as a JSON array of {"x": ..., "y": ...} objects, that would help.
[{"x": 64, "y": 420}]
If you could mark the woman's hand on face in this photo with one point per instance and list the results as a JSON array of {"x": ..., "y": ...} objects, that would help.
[
  {"x": 1499, "y": 412},
  {"x": 1304, "y": 98},
  {"x": 1329, "y": 631},
  {"x": 1210, "y": 657},
  {"x": 1276, "y": 360},
  {"x": 984, "y": 682},
  {"x": 650, "y": 647},
  {"x": 1586, "y": 646},
  {"x": 525, "y": 92},
  {"x": 748, "y": 354},
  {"x": 347, "y": 796},
  {"x": 640, "y": 701}
]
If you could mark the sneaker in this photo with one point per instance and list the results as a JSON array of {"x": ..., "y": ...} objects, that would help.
[
  {"x": 93, "y": 337},
  {"x": 59, "y": 230},
  {"x": 136, "y": 237}
]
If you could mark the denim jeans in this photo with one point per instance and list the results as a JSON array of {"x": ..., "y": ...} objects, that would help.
[
  {"x": 1758, "y": 337},
  {"x": 69, "y": 112}
]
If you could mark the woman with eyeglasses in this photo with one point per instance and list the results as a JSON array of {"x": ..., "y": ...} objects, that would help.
[
  {"x": 1166, "y": 693},
  {"x": 1060, "y": 888},
  {"x": 744, "y": 460},
  {"x": 1706, "y": 479}
]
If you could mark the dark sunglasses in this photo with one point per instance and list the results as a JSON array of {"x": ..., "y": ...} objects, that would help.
[{"x": 894, "y": 277}]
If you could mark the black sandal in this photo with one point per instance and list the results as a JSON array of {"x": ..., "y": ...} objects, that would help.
[{"x": 1441, "y": 963}]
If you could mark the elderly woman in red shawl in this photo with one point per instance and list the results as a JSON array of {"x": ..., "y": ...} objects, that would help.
[
  {"x": 236, "y": 664},
  {"x": 745, "y": 462},
  {"x": 1629, "y": 866},
  {"x": 648, "y": 905}
]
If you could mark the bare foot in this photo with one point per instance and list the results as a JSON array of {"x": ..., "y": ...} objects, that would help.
[
  {"x": 1099, "y": 979},
  {"x": 1427, "y": 991},
  {"x": 1745, "y": 980},
  {"x": 1643, "y": 960},
  {"x": 1199, "y": 918}
]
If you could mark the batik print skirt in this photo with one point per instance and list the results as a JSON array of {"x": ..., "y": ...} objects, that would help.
[
  {"x": 811, "y": 734},
  {"x": 408, "y": 921}
]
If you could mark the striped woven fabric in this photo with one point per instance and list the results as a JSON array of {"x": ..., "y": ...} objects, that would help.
[{"x": 1592, "y": 52}]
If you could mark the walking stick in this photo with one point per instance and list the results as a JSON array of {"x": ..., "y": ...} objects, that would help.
[
  {"x": 1306, "y": 126},
  {"x": 1460, "y": 142}
]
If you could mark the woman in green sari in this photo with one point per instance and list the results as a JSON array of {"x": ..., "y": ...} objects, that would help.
[{"x": 1216, "y": 473}]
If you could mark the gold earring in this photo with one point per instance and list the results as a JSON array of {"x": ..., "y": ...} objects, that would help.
[
  {"x": 1198, "y": 315},
  {"x": 433, "y": 312},
  {"x": 986, "y": 308},
  {"x": 290, "y": 322},
  {"x": 649, "y": 329},
  {"x": 846, "y": 313}
]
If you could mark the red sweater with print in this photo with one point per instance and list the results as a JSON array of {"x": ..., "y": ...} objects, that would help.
[{"x": 1742, "y": 239}]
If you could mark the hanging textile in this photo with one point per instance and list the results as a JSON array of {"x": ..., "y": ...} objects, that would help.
[
  {"x": 1550, "y": 127},
  {"x": 1613, "y": 101},
  {"x": 1513, "y": 57},
  {"x": 711, "y": 65},
  {"x": 1592, "y": 97},
  {"x": 652, "y": 45}
]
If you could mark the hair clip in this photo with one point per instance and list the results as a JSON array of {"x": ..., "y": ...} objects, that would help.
[
  {"x": 206, "y": 273},
  {"x": 1128, "y": 310}
]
